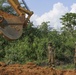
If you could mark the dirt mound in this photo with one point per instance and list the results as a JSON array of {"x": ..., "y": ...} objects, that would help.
[
  {"x": 31, "y": 69},
  {"x": 2, "y": 64}
]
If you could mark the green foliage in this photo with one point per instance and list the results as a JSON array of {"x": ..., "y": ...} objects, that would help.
[
  {"x": 44, "y": 28},
  {"x": 28, "y": 48},
  {"x": 67, "y": 67},
  {"x": 69, "y": 22},
  {"x": 32, "y": 46},
  {"x": 1, "y": 3},
  {"x": 5, "y": 6}
]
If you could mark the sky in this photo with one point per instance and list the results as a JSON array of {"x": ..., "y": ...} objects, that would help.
[{"x": 50, "y": 10}]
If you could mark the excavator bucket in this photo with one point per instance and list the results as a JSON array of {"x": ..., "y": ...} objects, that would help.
[{"x": 11, "y": 26}]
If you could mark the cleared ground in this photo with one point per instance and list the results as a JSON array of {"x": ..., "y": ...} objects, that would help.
[{"x": 31, "y": 69}]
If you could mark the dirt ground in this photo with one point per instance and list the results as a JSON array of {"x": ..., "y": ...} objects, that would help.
[{"x": 31, "y": 69}]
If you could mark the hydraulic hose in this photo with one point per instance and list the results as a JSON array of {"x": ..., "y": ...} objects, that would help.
[{"x": 25, "y": 4}]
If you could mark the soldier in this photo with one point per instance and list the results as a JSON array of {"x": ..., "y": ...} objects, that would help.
[
  {"x": 50, "y": 55},
  {"x": 75, "y": 56}
]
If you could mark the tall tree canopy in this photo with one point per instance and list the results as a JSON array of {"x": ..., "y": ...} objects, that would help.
[{"x": 69, "y": 22}]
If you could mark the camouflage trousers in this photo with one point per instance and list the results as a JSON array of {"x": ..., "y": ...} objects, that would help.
[{"x": 51, "y": 60}]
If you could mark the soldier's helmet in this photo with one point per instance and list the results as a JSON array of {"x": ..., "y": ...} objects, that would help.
[{"x": 50, "y": 43}]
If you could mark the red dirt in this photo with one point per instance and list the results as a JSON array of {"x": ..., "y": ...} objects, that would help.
[{"x": 31, "y": 69}]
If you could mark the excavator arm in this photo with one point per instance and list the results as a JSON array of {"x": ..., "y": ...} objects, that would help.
[
  {"x": 20, "y": 10},
  {"x": 11, "y": 26}
]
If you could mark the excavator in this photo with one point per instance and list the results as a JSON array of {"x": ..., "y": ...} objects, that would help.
[{"x": 11, "y": 26}]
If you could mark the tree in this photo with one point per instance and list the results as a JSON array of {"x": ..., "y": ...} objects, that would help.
[
  {"x": 5, "y": 6},
  {"x": 69, "y": 22},
  {"x": 68, "y": 34},
  {"x": 44, "y": 28},
  {"x": 1, "y": 3}
]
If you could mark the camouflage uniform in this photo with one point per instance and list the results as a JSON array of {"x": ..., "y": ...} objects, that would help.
[
  {"x": 50, "y": 55},
  {"x": 75, "y": 56}
]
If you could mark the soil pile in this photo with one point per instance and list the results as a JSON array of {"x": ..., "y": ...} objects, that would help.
[{"x": 31, "y": 69}]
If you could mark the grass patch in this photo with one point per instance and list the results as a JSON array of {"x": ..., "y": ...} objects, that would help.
[{"x": 67, "y": 66}]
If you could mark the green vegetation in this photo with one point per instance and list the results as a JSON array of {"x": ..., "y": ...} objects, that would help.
[
  {"x": 32, "y": 46},
  {"x": 66, "y": 67}
]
